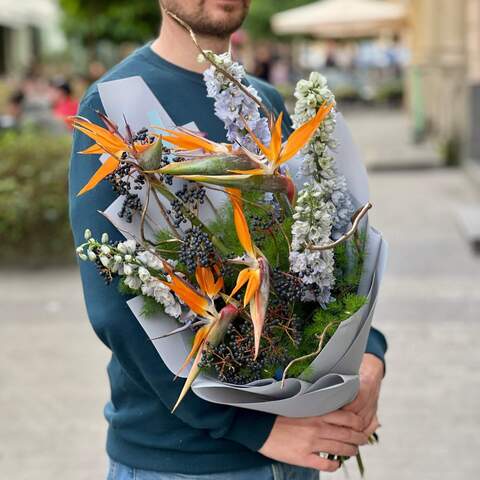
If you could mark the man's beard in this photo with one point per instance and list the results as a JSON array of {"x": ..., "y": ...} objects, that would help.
[{"x": 202, "y": 24}]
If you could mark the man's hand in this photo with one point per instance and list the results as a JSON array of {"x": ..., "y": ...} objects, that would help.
[
  {"x": 366, "y": 403},
  {"x": 298, "y": 441}
]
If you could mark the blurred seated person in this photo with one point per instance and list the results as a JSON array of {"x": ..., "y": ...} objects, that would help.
[
  {"x": 64, "y": 105},
  {"x": 13, "y": 112}
]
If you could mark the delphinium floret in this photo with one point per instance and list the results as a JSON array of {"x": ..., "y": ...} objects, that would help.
[
  {"x": 313, "y": 226},
  {"x": 324, "y": 206},
  {"x": 318, "y": 161},
  {"x": 232, "y": 105}
]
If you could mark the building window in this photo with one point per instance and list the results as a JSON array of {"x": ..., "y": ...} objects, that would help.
[{"x": 5, "y": 43}]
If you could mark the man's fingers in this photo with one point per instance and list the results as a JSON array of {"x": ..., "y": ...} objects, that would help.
[
  {"x": 321, "y": 464},
  {"x": 335, "y": 448},
  {"x": 356, "y": 405},
  {"x": 367, "y": 415},
  {"x": 372, "y": 427},
  {"x": 345, "y": 419},
  {"x": 343, "y": 434}
]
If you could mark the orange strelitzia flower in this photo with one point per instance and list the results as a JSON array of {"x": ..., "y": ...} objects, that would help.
[
  {"x": 277, "y": 153},
  {"x": 260, "y": 172},
  {"x": 185, "y": 140},
  {"x": 201, "y": 303},
  {"x": 108, "y": 142},
  {"x": 255, "y": 275}
]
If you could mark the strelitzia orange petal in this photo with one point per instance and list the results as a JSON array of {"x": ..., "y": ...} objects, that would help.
[
  {"x": 93, "y": 150},
  {"x": 253, "y": 285},
  {"x": 190, "y": 141},
  {"x": 241, "y": 225},
  {"x": 276, "y": 142},
  {"x": 255, "y": 171},
  {"x": 106, "y": 146},
  {"x": 242, "y": 279},
  {"x": 259, "y": 303},
  {"x": 301, "y": 136},
  {"x": 198, "y": 340},
  {"x": 196, "y": 302},
  {"x": 96, "y": 132},
  {"x": 204, "y": 277},
  {"x": 264, "y": 149},
  {"x": 143, "y": 148},
  {"x": 195, "y": 370},
  {"x": 206, "y": 281},
  {"x": 107, "y": 168}
]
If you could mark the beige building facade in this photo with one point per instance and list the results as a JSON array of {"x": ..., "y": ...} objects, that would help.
[{"x": 445, "y": 73}]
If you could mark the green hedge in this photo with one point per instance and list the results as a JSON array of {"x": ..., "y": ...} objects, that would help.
[{"x": 34, "y": 228}]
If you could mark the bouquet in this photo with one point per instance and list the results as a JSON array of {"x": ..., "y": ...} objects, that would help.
[{"x": 251, "y": 264}]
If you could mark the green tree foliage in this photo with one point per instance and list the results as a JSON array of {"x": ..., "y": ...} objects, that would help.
[
  {"x": 138, "y": 20},
  {"x": 115, "y": 20},
  {"x": 261, "y": 11}
]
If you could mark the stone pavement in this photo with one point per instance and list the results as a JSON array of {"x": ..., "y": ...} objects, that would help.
[
  {"x": 52, "y": 368},
  {"x": 384, "y": 136}
]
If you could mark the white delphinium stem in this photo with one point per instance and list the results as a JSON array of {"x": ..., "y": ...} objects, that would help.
[
  {"x": 233, "y": 106},
  {"x": 141, "y": 270},
  {"x": 319, "y": 162},
  {"x": 324, "y": 207},
  {"x": 313, "y": 225}
]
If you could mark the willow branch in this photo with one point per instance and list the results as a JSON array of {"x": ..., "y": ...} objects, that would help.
[
  {"x": 165, "y": 215},
  {"x": 357, "y": 216},
  {"x": 187, "y": 27}
]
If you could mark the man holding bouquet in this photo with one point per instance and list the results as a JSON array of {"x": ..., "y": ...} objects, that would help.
[{"x": 200, "y": 439}]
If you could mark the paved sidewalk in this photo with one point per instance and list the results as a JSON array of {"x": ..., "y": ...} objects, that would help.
[
  {"x": 53, "y": 383},
  {"x": 384, "y": 136}
]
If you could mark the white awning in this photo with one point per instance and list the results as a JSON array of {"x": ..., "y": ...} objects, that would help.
[
  {"x": 341, "y": 18},
  {"x": 28, "y": 12}
]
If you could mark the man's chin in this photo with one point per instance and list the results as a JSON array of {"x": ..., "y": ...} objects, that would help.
[
  {"x": 217, "y": 18},
  {"x": 227, "y": 17}
]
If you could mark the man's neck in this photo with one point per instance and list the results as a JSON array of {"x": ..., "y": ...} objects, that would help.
[{"x": 175, "y": 45}]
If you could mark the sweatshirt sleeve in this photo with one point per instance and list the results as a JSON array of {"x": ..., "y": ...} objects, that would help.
[
  {"x": 117, "y": 327},
  {"x": 377, "y": 344}
]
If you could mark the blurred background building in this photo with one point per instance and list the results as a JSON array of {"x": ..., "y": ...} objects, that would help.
[
  {"x": 29, "y": 31},
  {"x": 445, "y": 74}
]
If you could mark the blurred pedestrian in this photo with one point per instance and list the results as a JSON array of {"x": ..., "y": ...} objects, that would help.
[
  {"x": 263, "y": 63},
  {"x": 64, "y": 105}
]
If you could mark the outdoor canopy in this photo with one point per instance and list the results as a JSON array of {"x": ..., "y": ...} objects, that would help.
[
  {"x": 341, "y": 18},
  {"x": 27, "y": 12}
]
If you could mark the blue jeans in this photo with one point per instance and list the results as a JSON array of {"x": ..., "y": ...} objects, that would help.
[{"x": 276, "y": 471}]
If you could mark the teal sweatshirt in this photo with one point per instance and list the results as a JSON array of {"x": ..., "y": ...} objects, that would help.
[{"x": 200, "y": 437}]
